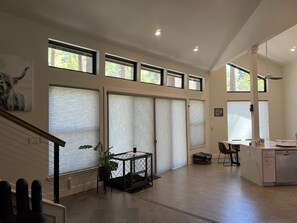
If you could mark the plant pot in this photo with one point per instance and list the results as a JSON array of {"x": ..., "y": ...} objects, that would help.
[{"x": 104, "y": 173}]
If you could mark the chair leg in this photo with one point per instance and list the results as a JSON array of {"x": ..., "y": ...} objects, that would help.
[
  {"x": 219, "y": 157},
  {"x": 229, "y": 163},
  {"x": 224, "y": 160}
]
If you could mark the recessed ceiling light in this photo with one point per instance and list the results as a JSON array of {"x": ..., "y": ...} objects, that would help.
[
  {"x": 196, "y": 49},
  {"x": 158, "y": 32},
  {"x": 292, "y": 49}
]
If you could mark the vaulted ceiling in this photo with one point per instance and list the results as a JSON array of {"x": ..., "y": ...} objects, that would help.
[{"x": 211, "y": 25}]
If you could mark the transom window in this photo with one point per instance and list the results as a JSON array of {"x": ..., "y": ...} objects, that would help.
[
  {"x": 66, "y": 56},
  {"x": 238, "y": 80},
  {"x": 175, "y": 79},
  {"x": 120, "y": 68},
  {"x": 151, "y": 75},
  {"x": 195, "y": 83}
]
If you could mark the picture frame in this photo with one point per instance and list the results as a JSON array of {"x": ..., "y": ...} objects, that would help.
[
  {"x": 17, "y": 87},
  {"x": 218, "y": 112}
]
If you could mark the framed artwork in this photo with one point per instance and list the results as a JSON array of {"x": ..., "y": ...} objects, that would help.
[
  {"x": 218, "y": 112},
  {"x": 15, "y": 83}
]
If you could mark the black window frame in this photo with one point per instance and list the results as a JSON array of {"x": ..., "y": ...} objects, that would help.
[
  {"x": 122, "y": 61},
  {"x": 195, "y": 78},
  {"x": 248, "y": 72},
  {"x": 77, "y": 50},
  {"x": 153, "y": 69},
  {"x": 176, "y": 74}
]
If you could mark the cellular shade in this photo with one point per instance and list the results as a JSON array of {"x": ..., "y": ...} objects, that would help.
[
  {"x": 74, "y": 117},
  {"x": 197, "y": 122},
  {"x": 239, "y": 120}
]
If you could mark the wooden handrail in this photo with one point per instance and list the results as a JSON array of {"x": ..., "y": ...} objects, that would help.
[{"x": 31, "y": 128}]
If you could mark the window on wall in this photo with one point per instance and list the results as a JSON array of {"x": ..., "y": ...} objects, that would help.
[
  {"x": 240, "y": 123},
  {"x": 61, "y": 55},
  {"x": 152, "y": 125},
  {"x": 74, "y": 117},
  {"x": 195, "y": 83},
  {"x": 238, "y": 80},
  {"x": 151, "y": 75},
  {"x": 175, "y": 79},
  {"x": 120, "y": 68},
  {"x": 171, "y": 138},
  {"x": 197, "y": 122}
]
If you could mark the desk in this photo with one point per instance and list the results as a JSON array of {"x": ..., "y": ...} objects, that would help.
[{"x": 236, "y": 145}]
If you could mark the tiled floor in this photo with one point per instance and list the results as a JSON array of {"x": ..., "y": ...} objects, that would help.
[{"x": 196, "y": 193}]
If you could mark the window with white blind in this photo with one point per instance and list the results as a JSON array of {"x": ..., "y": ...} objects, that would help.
[
  {"x": 136, "y": 121},
  {"x": 130, "y": 123},
  {"x": 74, "y": 118},
  {"x": 240, "y": 123},
  {"x": 197, "y": 122},
  {"x": 171, "y": 137}
]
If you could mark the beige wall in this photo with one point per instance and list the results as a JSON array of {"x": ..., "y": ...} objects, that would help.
[
  {"x": 290, "y": 100},
  {"x": 29, "y": 39},
  {"x": 219, "y": 98}
]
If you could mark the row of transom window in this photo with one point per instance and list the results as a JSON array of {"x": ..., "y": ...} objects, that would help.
[{"x": 66, "y": 56}]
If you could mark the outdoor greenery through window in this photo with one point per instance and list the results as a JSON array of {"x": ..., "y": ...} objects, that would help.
[
  {"x": 120, "y": 68},
  {"x": 69, "y": 57},
  {"x": 195, "y": 83},
  {"x": 238, "y": 80},
  {"x": 151, "y": 75},
  {"x": 175, "y": 79}
]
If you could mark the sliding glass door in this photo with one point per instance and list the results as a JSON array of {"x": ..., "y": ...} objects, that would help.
[
  {"x": 131, "y": 123},
  {"x": 152, "y": 125},
  {"x": 170, "y": 134}
]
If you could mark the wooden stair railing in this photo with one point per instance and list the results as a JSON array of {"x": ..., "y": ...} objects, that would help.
[{"x": 57, "y": 143}]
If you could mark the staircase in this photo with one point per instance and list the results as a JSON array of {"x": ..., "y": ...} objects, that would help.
[{"x": 31, "y": 153}]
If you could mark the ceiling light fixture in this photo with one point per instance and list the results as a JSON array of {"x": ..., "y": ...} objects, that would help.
[
  {"x": 196, "y": 49},
  {"x": 293, "y": 49},
  {"x": 269, "y": 76},
  {"x": 158, "y": 32}
]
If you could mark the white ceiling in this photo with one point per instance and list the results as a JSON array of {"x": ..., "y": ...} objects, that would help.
[
  {"x": 210, "y": 24},
  {"x": 278, "y": 48}
]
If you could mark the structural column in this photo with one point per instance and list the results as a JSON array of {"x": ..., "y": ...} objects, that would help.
[{"x": 253, "y": 53}]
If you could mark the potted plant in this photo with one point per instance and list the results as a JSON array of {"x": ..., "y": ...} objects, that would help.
[{"x": 106, "y": 164}]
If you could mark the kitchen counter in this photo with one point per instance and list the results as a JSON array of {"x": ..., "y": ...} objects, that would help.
[
  {"x": 261, "y": 164},
  {"x": 280, "y": 145}
]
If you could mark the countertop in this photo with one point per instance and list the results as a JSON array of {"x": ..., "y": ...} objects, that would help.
[{"x": 273, "y": 146}]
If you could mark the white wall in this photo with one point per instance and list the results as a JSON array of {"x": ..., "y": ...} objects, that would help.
[
  {"x": 290, "y": 100},
  {"x": 29, "y": 39},
  {"x": 219, "y": 98}
]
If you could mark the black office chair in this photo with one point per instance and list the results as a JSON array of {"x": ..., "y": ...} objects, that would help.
[
  {"x": 224, "y": 150},
  {"x": 24, "y": 214}
]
